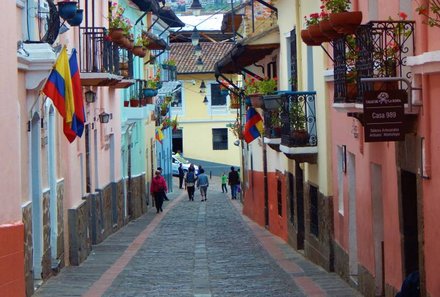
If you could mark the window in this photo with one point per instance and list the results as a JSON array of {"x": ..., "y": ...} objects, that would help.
[
  {"x": 314, "y": 223},
  {"x": 217, "y": 99},
  {"x": 220, "y": 139}
]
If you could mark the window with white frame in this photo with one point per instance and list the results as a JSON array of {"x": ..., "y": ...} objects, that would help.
[{"x": 220, "y": 139}]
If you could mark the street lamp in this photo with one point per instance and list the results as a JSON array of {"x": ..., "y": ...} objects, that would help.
[
  {"x": 90, "y": 96},
  {"x": 196, "y": 7},
  {"x": 202, "y": 87},
  {"x": 199, "y": 64},
  {"x": 205, "y": 100},
  {"x": 198, "y": 50},
  {"x": 195, "y": 37},
  {"x": 104, "y": 117}
]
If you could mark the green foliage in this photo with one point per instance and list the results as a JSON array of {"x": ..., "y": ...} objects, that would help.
[
  {"x": 335, "y": 6},
  {"x": 263, "y": 87},
  {"x": 297, "y": 116}
]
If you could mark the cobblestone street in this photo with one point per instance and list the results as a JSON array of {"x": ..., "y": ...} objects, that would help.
[{"x": 195, "y": 249}]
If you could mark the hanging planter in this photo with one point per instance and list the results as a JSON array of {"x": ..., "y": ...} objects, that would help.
[
  {"x": 346, "y": 22},
  {"x": 67, "y": 9},
  {"x": 305, "y": 36},
  {"x": 148, "y": 92},
  {"x": 327, "y": 30},
  {"x": 316, "y": 34},
  {"x": 256, "y": 100},
  {"x": 139, "y": 51},
  {"x": 77, "y": 18}
]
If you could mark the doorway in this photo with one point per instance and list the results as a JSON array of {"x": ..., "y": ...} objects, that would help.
[
  {"x": 299, "y": 190},
  {"x": 378, "y": 230},
  {"x": 178, "y": 141},
  {"x": 409, "y": 221},
  {"x": 352, "y": 219}
]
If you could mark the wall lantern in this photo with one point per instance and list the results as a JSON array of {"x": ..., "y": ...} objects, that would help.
[
  {"x": 104, "y": 117},
  {"x": 205, "y": 100},
  {"x": 195, "y": 37},
  {"x": 196, "y": 7},
  {"x": 198, "y": 50},
  {"x": 90, "y": 96},
  {"x": 202, "y": 87},
  {"x": 199, "y": 64}
]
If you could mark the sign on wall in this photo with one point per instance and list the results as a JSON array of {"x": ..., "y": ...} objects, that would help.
[{"x": 384, "y": 115}]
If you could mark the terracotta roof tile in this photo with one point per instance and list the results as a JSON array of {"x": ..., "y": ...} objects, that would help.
[{"x": 183, "y": 54}]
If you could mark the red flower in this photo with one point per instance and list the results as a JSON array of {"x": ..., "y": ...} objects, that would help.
[{"x": 402, "y": 15}]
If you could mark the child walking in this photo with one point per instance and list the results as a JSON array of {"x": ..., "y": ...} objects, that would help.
[{"x": 224, "y": 178}]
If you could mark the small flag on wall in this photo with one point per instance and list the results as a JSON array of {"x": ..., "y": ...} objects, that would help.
[
  {"x": 254, "y": 125},
  {"x": 159, "y": 135}
]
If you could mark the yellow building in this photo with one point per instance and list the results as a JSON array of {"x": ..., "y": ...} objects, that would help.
[{"x": 202, "y": 111}]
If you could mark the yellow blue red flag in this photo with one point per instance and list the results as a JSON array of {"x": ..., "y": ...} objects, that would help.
[
  {"x": 254, "y": 125},
  {"x": 59, "y": 87}
]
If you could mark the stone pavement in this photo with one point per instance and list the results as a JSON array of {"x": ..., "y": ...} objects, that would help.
[{"x": 197, "y": 249}]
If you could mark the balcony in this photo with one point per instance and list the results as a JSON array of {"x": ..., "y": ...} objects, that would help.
[
  {"x": 299, "y": 139},
  {"x": 100, "y": 60},
  {"x": 373, "y": 59}
]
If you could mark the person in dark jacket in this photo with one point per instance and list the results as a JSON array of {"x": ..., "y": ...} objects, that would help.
[
  {"x": 234, "y": 181},
  {"x": 181, "y": 176},
  {"x": 190, "y": 182},
  {"x": 158, "y": 189},
  {"x": 410, "y": 286}
]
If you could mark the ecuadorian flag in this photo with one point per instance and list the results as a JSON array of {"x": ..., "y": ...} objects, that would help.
[
  {"x": 254, "y": 125},
  {"x": 64, "y": 88}
]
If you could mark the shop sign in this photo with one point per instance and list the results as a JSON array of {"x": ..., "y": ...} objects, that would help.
[{"x": 383, "y": 115}]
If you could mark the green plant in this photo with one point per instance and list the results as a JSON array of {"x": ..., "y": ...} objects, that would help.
[
  {"x": 297, "y": 116},
  {"x": 170, "y": 62},
  {"x": 274, "y": 117},
  {"x": 117, "y": 20},
  {"x": 335, "y": 6},
  {"x": 263, "y": 87},
  {"x": 431, "y": 12}
]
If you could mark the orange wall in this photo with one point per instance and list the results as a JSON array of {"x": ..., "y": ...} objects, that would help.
[
  {"x": 12, "y": 260},
  {"x": 253, "y": 205}
]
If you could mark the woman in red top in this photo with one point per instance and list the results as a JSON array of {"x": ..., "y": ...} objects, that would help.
[{"x": 158, "y": 189}]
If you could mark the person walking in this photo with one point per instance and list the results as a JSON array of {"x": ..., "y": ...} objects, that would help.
[
  {"x": 165, "y": 197},
  {"x": 181, "y": 176},
  {"x": 234, "y": 181},
  {"x": 202, "y": 183},
  {"x": 190, "y": 182},
  {"x": 158, "y": 189},
  {"x": 224, "y": 178}
]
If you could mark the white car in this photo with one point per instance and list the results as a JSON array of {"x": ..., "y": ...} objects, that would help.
[{"x": 177, "y": 160}]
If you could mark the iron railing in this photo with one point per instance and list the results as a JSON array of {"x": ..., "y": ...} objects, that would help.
[
  {"x": 379, "y": 49},
  {"x": 298, "y": 119},
  {"x": 99, "y": 54}
]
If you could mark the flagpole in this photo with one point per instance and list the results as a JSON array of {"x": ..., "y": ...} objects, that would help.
[{"x": 40, "y": 92}]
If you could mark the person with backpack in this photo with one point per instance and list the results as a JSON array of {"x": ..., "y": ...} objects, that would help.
[
  {"x": 234, "y": 182},
  {"x": 190, "y": 182},
  {"x": 202, "y": 183}
]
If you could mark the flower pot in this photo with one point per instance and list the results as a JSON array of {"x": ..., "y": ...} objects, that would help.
[
  {"x": 139, "y": 51},
  {"x": 327, "y": 30},
  {"x": 316, "y": 34},
  {"x": 134, "y": 102},
  {"x": 149, "y": 100},
  {"x": 121, "y": 41},
  {"x": 116, "y": 34},
  {"x": 275, "y": 132},
  {"x": 67, "y": 9},
  {"x": 305, "y": 36},
  {"x": 123, "y": 65},
  {"x": 165, "y": 66},
  {"x": 346, "y": 22},
  {"x": 299, "y": 137},
  {"x": 256, "y": 100},
  {"x": 126, "y": 103},
  {"x": 77, "y": 19},
  {"x": 148, "y": 92}
]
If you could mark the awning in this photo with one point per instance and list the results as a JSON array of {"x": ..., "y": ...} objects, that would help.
[
  {"x": 155, "y": 43},
  {"x": 169, "y": 87},
  {"x": 249, "y": 51},
  {"x": 228, "y": 19},
  {"x": 167, "y": 15},
  {"x": 147, "y": 5}
]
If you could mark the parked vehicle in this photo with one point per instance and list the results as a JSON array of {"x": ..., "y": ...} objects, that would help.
[{"x": 177, "y": 160}]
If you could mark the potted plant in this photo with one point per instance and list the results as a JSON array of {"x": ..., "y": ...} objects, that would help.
[
  {"x": 299, "y": 134},
  {"x": 341, "y": 19},
  {"x": 273, "y": 127},
  {"x": 169, "y": 64},
  {"x": 126, "y": 103},
  {"x": 235, "y": 100},
  {"x": 134, "y": 102},
  {"x": 255, "y": 89},
  {"x": 430, "y": 10},
  {"x": 138, "y": 48},
  {"x": 119, "y": 25},
  {"x": 310, "y": 21}
]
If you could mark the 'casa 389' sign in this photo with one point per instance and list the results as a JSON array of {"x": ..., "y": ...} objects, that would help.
[{"x": 384, "y": 115}]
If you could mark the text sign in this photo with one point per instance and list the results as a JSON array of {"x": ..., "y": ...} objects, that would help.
[{"x": 383, "y": 115}]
